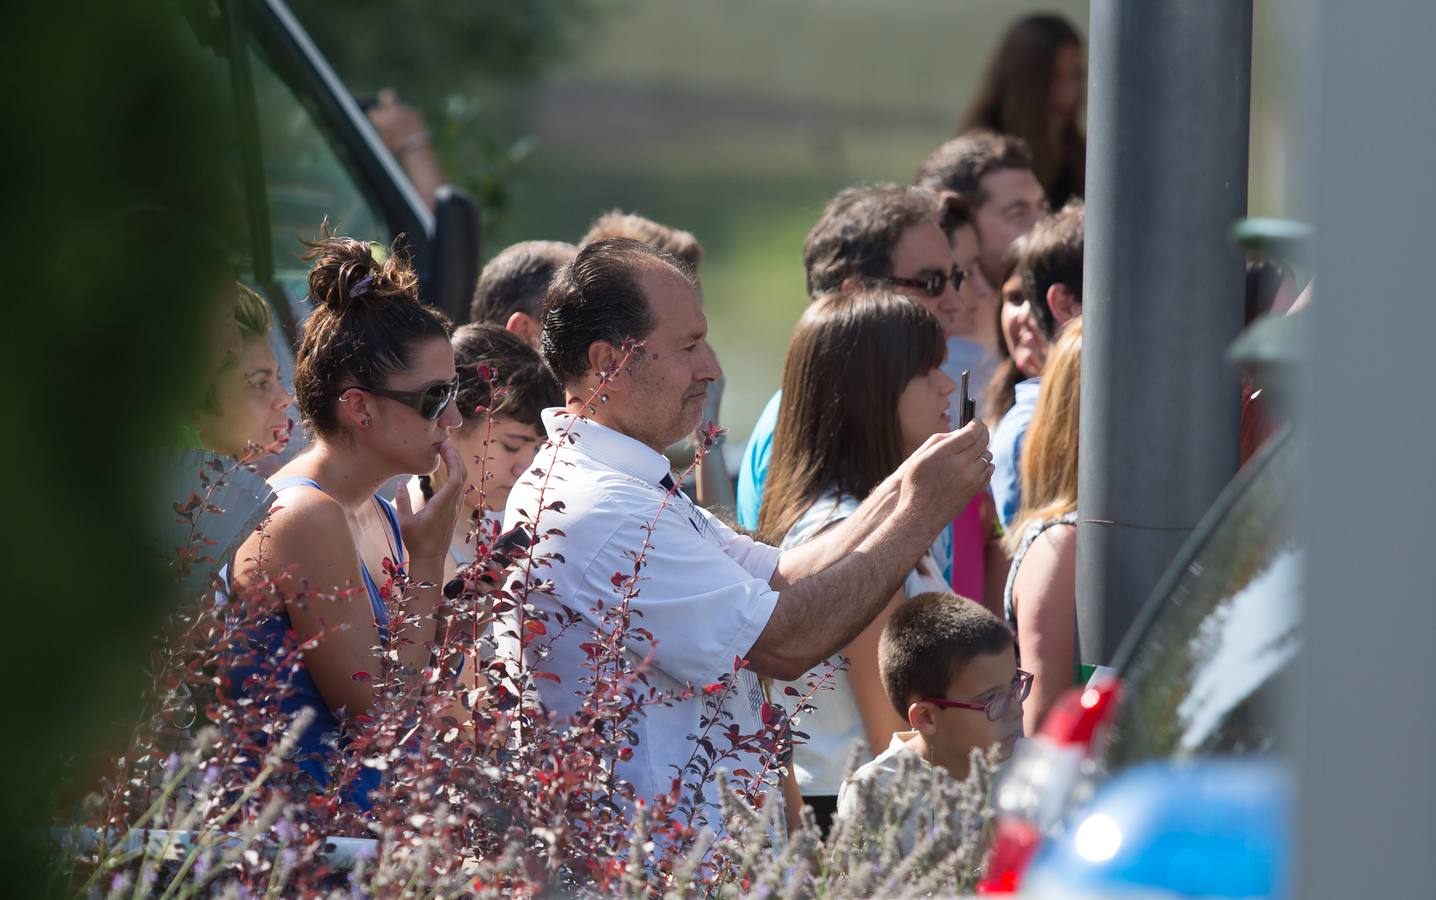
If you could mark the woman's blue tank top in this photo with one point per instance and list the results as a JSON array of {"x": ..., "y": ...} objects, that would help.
[{"x": 315, "y": 746}]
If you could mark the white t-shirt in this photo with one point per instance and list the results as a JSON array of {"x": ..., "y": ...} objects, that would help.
[
  {"x": 703, "y": 591},
  {"x": 882, "y": 772},
  {"x": 835, "y": 724}
]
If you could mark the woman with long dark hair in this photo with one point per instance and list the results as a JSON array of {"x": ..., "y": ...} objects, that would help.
[
  {"x": 1034, "y": 89},
  {"x": 862, "y": 389},
  {"x": 375, "y": 381}
]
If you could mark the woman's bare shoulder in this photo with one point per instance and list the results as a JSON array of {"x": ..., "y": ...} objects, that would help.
[
  {"x": 301, "y": 522},
  {"x": 1051, "y": 561}
]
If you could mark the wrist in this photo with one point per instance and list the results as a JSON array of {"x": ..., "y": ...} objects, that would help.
[
  {"x": 416, "y": 141},
  {"x": 426, "y": 561}
]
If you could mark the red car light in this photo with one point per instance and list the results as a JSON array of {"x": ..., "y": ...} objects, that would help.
[
  {"x": 1045, "y": 777},
  {"x": 1013, "y": 844}
]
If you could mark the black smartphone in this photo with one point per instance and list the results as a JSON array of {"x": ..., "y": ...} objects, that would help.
[{"x": 967, "y": 409}]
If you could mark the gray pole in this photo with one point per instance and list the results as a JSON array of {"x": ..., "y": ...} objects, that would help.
[
  {"x": 1363, "y": 707},
  {"x": 1162, "y": 292}
]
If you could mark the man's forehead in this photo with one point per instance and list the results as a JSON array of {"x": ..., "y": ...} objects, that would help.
[
  {"x": 926, "y": 248},
  {"x": 1006, "y": 185},
  {"x": 675, "y": 302}
]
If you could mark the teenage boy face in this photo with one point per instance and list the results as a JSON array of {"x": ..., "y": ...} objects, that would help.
[
  {"x": 1015, "y": 201},
  {"x": 957, "y": 732},
  {"x": 920, "y": 252}
]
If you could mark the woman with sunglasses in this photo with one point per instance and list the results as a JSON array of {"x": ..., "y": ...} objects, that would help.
[
  {"x": 374, "y": 380},
  {"x": 862, "y": 390}
]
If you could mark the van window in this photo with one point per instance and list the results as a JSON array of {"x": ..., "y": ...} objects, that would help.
[
  {"x": 1207, "y": 677},
  {"x": 306, "y": 179}
]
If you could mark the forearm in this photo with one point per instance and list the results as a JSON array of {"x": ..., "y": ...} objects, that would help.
[
  {"x": 835, "y": 544},
  {"x": 422, "y": 604},
  {"x": 819, "y": 612},
  {"x": 424, "y": 171}
]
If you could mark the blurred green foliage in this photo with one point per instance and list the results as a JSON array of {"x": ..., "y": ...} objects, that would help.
[{"x": 114, "y": 200}]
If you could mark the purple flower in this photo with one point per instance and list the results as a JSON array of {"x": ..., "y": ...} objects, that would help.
[{"x": 285, "y": 831}]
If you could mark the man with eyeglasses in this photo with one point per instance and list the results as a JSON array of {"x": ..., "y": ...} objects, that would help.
[
  {"x": 949, "y": 667},
  {"x": 881, "y": 234},
  {"x": 998, "y": 199}
]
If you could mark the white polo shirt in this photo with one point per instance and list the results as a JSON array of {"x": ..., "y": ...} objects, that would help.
[{"x": 703, "y": 590}]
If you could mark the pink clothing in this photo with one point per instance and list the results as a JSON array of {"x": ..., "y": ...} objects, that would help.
[{"x": 969, "y": 551}]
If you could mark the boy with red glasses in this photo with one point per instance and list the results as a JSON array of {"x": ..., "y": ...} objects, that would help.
[{"x": 949, "y": 666}]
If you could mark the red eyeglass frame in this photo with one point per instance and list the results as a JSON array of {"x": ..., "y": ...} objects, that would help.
[{"x": 1021, "y": 687}]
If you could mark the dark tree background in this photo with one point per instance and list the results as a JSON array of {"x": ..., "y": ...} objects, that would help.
[{"x": 460, "y": 64}]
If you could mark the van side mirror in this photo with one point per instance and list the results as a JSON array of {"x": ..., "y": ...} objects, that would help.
[{"x": 454, "y": 256}]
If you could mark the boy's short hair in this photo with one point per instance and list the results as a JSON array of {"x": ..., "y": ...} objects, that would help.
[
  {"x": 1051, "y": 253},
  {"x": 516, "y": 280},
  {"x": 960, "y": 164},
  {"x": 618, "y": 224},
  {"x": 517, "y": 373},
  {"x": 927, "y": 642}
]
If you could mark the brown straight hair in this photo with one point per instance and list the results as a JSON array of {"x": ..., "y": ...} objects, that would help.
[
  {"x": 1049, "y": 454},
  {"x": 1015, "y": 96},
  {"x": 849, "y": 360}
]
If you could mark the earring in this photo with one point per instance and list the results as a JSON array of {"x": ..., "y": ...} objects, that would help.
[{"x": 365, "y": 423}]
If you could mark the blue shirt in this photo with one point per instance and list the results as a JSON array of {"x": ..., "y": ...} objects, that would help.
[
  {"x": 1007, "y": 449},
  {"x": 754, "y": 470}
]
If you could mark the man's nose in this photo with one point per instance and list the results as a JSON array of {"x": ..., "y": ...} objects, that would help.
[{"x": 710, "y": 371}]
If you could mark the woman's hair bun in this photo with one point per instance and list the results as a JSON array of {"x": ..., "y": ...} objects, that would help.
[{"x": 346, "y": 276}]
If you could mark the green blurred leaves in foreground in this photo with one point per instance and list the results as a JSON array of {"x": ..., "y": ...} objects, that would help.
[{"x": 113, "y": 205}]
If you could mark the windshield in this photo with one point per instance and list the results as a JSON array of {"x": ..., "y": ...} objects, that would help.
[{"x": 1206, "y": 676}]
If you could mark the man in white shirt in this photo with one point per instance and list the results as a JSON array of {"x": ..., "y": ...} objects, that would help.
[{"x": 706, "y": 594}]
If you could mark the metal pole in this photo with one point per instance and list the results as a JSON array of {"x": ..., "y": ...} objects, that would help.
[
  {"x": 1162, "y": 292},
  {"x": 1367, "y": 784}
]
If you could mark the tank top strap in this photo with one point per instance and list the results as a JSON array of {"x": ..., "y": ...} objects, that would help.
[
  {"x": 391, "y": 515},
  {"x": 280, "y": 484}
]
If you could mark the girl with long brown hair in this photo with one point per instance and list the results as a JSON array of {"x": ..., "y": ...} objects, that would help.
[
  {"x": 1041, "y": 596},
  {"x": 862, "y": 389},
  {"x": 1034, "y": 89}
]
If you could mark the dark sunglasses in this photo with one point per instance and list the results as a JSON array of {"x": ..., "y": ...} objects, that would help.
[
  {"x": 933, "y": 283},
  {"x": 429, "y": 403}
]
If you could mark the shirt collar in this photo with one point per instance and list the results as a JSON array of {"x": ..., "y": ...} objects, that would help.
[{"x": 610, "y": 447}]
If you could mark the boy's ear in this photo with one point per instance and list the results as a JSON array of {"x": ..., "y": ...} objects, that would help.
[
  {"x": 921, "y": 717},
  {"x": 1064, "y": 303}
]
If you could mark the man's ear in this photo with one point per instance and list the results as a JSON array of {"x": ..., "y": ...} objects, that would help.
[
  {"x": 526, "y": 328},
  {"x": 603, "y": 357},
  {"x": 1064, "y": 303}
]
